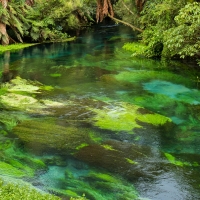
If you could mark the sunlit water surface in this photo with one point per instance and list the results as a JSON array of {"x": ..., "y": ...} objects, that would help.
[{"x": 120, "y": 127}]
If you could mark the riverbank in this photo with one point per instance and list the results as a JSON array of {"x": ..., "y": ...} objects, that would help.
[{"x": 18, "y": 46}]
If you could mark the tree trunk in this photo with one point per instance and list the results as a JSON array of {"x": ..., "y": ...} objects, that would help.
[
  {"x": 3, "y": 33},
  {"x": 30, "y": 2}
]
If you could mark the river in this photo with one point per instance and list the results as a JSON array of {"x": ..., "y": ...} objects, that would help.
[{"x": 84, "y": 117}]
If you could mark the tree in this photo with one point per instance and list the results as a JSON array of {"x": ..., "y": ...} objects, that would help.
[{"x": 3, "y": 32}]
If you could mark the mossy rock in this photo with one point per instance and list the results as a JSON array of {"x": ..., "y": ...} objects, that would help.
[
  {"x": 126, "y": 117},
  {"x": 46, "y": 134}
]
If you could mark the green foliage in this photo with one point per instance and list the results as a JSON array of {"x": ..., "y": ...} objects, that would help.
[
  {"x": 170, "y": 28},
  {"x": 50, "y": 20},
  {"x": 183, "y": 39},
  {"x": 137, "y": 48}
]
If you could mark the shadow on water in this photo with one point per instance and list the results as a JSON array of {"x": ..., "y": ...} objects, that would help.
[{"x": 86, "y": 118}]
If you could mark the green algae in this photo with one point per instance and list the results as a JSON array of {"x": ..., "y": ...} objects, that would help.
[
  {"x": 177, "y": 162},
  {"x": 131, "y": 161},
  {"x": 55, "y": 75},
  {"x": 155, "y": 119},
  {"x": 29, "y": 171},
  {"x": 47, "y": 88},
  {"x": 9, "y": 170},
  {"x": 47, "y": 134},
  {"x": 104, "y": 177},
  {"x": 81, "y": 146},
  {"x": 138, "y": 76},
  {"x": 21, "y": 85},
  {"x": 125, "y": 117},
  {"x": 108, "y": 147},
  {"x": 16, "y": 191}
]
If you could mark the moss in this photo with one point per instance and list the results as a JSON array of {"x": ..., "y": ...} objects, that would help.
[
  {"x": 27, "y": 170},
  {"x": 14, "y": 47},
  {"x": 17, "y": 100},
  {"x": 78, "y": 198},
  {"x": 15, "y": 192},
  {"x": 9, "y": 170},
  {"x": 19, "y": 84}
]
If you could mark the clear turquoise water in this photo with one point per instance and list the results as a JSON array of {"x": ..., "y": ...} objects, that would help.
[{"x": 125, "y": 158}]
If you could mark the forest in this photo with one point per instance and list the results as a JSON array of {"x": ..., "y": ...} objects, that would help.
[{"x": 168, "y": 29}]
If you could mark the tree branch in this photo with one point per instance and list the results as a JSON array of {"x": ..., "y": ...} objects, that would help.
[{"x": 125, "y": 23}]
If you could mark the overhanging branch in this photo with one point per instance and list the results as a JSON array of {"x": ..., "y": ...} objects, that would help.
[{"x": 125, "y": 23}]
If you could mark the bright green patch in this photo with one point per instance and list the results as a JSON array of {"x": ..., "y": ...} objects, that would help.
[
  {"x": 136, "y": 48},
  {"x": 105, "y": 177},
  {"x": 71, "y": 193},
  {"x": 81, "y": 146},
  {"x": 108, "y": 147},
  {"x": 15, "y": 192},
  {"x": 124, "y": 117},
  {"x": 155, "y": 119},
  {"x": 9, "y": 170},
  {"x": 131, "y": 161},
  {"x": 13, "y": 47},
  {"x": 55, "y": 75},
  {"x": 47, "y": 88},
  {"x": 173, "y": 160},
  {"x": 141, "y": 76}
]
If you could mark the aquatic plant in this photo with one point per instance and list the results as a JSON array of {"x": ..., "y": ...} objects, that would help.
[
  {"x": 174, "y": 91},
  {"x": 138, "y": 76},
  {"x": 155, "y": 119},
  {"x": 17, "y": 100},
  {"x": 18, "y": 84},
  {"x": 177, "y": 162},
  {"x": 136, "y": 48},
  {"x": 55, "y": 75},
  {"x": 16, "y": 192},
  {"x": 124, "y": 117},
  {"x": 9, "y": 170},
  {"x": 11, "y": 118},
  {"x": 104, "y": 177},
  {"x": 78, "y": 198},
  {"x": 47, "y": 134}
]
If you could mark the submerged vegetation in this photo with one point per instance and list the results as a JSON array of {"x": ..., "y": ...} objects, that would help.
[{"x": 88, "y": 120}]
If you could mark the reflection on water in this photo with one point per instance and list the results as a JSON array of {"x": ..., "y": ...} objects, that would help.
[{"x": 93, "y": 120}]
